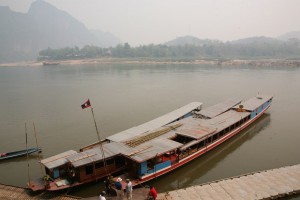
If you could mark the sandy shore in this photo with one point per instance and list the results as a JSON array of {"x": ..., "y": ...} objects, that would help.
[{"x": 264, "y": 62}]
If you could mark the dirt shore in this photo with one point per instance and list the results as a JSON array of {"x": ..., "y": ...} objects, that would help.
[{"x": 262, "y": 62}]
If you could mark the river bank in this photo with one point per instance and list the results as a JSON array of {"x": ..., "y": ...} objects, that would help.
[{"x": 229, "y": 62}]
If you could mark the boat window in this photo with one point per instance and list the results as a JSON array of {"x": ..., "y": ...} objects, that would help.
[
  {"x": 215, "y": 137},
  {"x": 182, "y": 139},
  {"x": 110, "y": 161},
  {"x": 120, "y": 161},
  {"x": 99, "y": 165},
  {"x": 227, "y": 130},
  {"x": 222, "y": 133},
  {"x": 194, "y": 146},
  {"x": 89, "y": 169},
  {"x": 208, "y": 140},
  {"x": 237, "y": 124},
  {"x": 201, "y": 144},
  {"x": 150, "y": 164},
  {"x": 47, "y": 171}
]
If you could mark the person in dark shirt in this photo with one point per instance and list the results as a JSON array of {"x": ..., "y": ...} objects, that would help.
[
  {"x": 119, "y": 188},
  {"x": 108, "y": 182}
]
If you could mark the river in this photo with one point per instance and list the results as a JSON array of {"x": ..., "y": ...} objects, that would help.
[{"x": 126, "y": 95}]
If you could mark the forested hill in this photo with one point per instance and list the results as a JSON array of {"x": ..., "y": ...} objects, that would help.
[
  {"x": 23, "y": 35},
  {"x": 188, "y": 47}
]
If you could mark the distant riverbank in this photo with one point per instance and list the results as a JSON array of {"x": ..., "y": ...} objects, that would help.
[{"x": 229, "y": 62}]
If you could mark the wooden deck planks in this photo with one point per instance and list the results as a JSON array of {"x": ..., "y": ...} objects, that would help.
[
  {"x": 270, "y": 184},
  {"x": 11, "y": 192},
  {"x": 218, "y": 188}
]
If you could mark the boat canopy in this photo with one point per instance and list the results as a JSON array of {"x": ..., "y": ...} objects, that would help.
[
  {"x": 219, "y": 108},
  {"x": 95, "y": 154},
  {"x": 57, "y": 160},
  {"x": 196, "y": 132},
  {"x": 199, "y": 129},
  {"x": 143, "y": 152},
  {"x": 156, "y": 123},
  {"x": 254, "y": 102},
  {"x": 154, "y": 148}
]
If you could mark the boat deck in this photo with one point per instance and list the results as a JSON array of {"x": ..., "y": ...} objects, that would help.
[{"x": 270, "y": 184}]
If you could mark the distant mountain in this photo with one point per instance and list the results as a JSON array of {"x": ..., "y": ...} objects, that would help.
[
  {"x": 190, "y": 40},
  {"x": 105, "y": 39},
  {"x": 256, "y": 40},
  {"x": 290, "y": 35},
  {"x": 23, "y": 35}
]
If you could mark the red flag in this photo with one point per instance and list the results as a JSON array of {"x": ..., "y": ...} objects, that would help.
[{"x": 86, "y": 104}]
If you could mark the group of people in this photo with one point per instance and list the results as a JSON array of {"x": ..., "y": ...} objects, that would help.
[{"x": 119, "y": 189}]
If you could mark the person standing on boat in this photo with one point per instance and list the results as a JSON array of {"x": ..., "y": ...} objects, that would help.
[
  {"x": 128, "y": 189},
  {"x": 108, "y": 183},
  {"x": 119, "y": 189},
  {"x": 152, "y": 193}
]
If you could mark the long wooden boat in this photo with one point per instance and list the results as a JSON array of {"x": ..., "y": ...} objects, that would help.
[
  {"x": 14, "y": 154},
  {"x": 50, "y": 63},
  {"x": 154, "y": 148}
]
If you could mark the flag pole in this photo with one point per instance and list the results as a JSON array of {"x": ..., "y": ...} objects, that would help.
[
  {"x": 100, "y": 143},
  {"x": 37, "y": 146},
  {"x": 27, "y": 156},
  {"x": 99, "y": 138}
]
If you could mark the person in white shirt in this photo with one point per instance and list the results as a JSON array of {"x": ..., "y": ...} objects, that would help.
[
  {"x": 101, "y": 196},
  {"x": 128, "y": 189}
]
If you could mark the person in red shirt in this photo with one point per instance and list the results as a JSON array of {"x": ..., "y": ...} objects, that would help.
[{"x": 152, "y": 193}]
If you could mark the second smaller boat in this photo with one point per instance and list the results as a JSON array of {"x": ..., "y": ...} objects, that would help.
[{"x": 14, "y": 154}]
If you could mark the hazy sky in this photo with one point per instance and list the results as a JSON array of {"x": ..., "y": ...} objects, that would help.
[{"x": 157, "y": 21}]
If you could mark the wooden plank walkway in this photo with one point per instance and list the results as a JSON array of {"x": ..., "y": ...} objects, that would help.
[
  {"x": 8, "y": 192},
  {"x": 269, "y": 184}
]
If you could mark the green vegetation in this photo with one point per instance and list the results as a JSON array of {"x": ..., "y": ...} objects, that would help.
[{"x": 241, "y": 49}]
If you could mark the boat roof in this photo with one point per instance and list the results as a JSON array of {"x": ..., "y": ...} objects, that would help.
[
  {"x": 95, "y": 154},
  {"x": 154, "y": 148},
  {"x": 254, "y": 102},
  {"x": 154, "y": 124},
  {"x": 140, "y": 153},
  {"x": 57, "y": 160},
  {"x": 194, "y": 128},
  {"x": 219, "y": 108},
  {"x": 199, "y": 129}
]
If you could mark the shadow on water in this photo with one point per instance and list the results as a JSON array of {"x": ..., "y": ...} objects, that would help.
[{"x": 186, "y": 175}]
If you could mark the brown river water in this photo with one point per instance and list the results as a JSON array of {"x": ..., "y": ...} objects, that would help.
[{"x": 126, "y": 95}]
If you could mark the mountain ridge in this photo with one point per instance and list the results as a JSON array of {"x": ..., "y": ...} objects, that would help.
[{"x": 23, "y": 35}]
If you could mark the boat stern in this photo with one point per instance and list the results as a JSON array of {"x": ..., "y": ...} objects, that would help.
[{"x": 36, "y": 185}]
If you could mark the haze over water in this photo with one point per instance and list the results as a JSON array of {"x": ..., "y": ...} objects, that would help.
[{"x": 125, "y": 95}]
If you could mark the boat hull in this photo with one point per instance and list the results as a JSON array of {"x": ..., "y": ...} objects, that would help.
[
  {"x": 5, "y": 156},
  {"x": 203, "y": 151}
]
